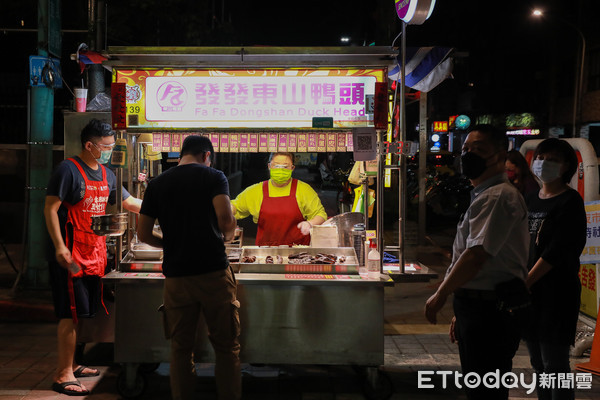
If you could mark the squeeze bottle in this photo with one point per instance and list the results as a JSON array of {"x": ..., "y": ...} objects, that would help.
[{"x": 373, "y": 261}]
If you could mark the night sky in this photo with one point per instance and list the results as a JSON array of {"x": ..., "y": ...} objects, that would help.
[{"x": 509, "y": 53}]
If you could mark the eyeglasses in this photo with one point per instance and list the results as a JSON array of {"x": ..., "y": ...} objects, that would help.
[
  {"x": 282, "y": 166},
  {"x": 102, "y": 146}
]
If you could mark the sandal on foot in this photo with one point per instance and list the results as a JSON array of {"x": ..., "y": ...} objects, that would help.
[
  {"x": 62, "y": 388},
  {"x": 80, "y": 374}
]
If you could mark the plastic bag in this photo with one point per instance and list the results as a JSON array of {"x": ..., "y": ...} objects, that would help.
[
  {"x": 358, "y": 169},
  {"x": 99, "y": 103},
  {"x": 359, "y": 202}
]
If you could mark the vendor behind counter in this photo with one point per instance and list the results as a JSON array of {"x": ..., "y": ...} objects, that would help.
[{"x": 283, "y": 207}]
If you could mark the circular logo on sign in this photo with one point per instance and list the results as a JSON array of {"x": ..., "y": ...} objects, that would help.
[
  {"x": 171, "y": 96},
  {"x": 133, "y": 93}
]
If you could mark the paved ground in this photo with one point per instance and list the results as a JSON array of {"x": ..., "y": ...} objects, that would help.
[{"x": 28, "y": 354}]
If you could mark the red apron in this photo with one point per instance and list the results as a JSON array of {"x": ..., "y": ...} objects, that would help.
[
  {"x": 87, "y": 249},
  {"x": 278, "y": 219}
]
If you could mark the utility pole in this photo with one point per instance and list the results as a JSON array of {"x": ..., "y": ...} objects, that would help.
[{"x": 39, "y": 141}]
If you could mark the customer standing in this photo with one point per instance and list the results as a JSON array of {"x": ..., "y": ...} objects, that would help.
[
  {"x": 557, "y": 225},
  {"x": 79, "y": 188},
  {"x": 519, "y": 174},
  {"x": 489, "y": 251},
  {"x": 191, "y": 203}
]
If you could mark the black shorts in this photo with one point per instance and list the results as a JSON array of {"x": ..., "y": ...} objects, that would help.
[{"x": 87, "y": 291}]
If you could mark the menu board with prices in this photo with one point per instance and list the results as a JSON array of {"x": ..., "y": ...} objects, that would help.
[{"x": 312, "y": 142}]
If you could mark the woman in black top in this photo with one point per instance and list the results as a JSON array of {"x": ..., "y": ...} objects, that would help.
[{"x": 557, "y": 225}]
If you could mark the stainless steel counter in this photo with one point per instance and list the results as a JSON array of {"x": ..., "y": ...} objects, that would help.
[{"x": 285, "y": 319}]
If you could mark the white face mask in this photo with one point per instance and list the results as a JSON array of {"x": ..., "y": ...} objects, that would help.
[{"x": 546, "y": 170}]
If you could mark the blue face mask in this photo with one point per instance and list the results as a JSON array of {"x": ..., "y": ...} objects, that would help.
[{"x": 104, "y": 155}]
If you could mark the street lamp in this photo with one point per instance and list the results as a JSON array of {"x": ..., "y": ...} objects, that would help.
[{"x": 578, "y": 91}]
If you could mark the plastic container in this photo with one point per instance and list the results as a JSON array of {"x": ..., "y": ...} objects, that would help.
[
  {"x": 358, "y": 238},
  {"x": 373, "y": 261}
]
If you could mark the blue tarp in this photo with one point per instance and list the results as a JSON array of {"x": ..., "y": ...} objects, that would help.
[{"x": 426, "y": 67}]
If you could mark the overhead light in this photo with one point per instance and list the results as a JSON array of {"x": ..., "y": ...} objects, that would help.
[{"x": 537, "y": 12}]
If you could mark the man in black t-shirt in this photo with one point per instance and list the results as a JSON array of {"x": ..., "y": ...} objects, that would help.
[{"x": 191, "y": 203}]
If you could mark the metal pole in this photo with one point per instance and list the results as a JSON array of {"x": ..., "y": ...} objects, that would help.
[
  {"x": 422, "y": 217},
  {"x": 580, "y": 83},
  {"x": 402, "y": 159},
  {"x": 379, "y": 199},
  {"x": 119, "y": 244}
]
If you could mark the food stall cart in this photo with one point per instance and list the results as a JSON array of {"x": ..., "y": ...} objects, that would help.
[{"x": 252, "y": 100}]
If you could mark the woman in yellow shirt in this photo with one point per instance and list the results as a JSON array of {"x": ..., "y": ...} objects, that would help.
[{"x": 284, "y": 208}]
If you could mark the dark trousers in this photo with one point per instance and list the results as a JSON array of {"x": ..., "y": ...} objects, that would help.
[
  {"x": 487, "y": 341},
  {"x": 551, "y": 358}
]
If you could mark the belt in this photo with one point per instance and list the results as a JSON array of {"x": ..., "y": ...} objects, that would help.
[{"x": 488, "y": 295}]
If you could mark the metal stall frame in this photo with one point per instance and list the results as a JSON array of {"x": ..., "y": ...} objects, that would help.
[{"x": 268, "y": 338}]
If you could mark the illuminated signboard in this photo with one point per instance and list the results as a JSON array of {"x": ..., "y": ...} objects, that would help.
[
  {"x": 440, "y": 126},
  {"x": 271, "y": 98},
  {"x": 524, "y": 132},
  {"x": 414, "y": 12}
]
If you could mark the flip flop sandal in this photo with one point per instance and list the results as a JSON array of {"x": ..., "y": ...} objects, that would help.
[
  {"x": 62, "y": 388},
  {"x": 80, "y": 374}
]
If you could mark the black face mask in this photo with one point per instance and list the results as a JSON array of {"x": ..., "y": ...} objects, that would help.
[{"x": 472, "y": 165}]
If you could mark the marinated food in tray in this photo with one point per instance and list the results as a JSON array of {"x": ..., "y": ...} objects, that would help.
[
  {"x": 274, "y": 260},
  {"x": 319, "y": 258},
  {"x": 249, "y": 259}
]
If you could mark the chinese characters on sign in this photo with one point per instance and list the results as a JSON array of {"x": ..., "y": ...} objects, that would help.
[
  {"x": 261, "y": 142},
  {"x": 250, "y": 98},
  {"x": 440, "y": 126},
  {"x": 591, "y": 252},
  {"x": 287, "y": 100},
  {"x": 589, "y": 259}
]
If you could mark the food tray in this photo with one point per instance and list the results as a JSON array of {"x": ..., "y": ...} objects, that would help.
[
  {"x": 142, "y": 251},
  {"x": 350, "y": 266}
]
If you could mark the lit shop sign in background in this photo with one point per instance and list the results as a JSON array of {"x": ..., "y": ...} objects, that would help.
[{"x": 248, "y": 98}]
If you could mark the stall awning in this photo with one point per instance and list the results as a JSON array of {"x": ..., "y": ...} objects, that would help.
[{"x": 426, "y": 67}]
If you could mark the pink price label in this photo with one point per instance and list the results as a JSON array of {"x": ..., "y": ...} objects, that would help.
[
  {"x": 283, "y": 142},
  {"x": 253, "y": 143},
  {"x": 292, "y": 137},
  {"x": 243, "y": 142},
  {"x": 263, "y": 142},
  {"x": 311, "y": 140}
]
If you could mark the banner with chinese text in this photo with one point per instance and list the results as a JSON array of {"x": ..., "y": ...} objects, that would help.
[{"x": 269, "y": 98}]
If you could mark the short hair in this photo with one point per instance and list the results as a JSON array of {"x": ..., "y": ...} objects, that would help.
[
  {"x": 282, "y": 153},
  {"x": 95, "y": 129},
  {"x": 563, "y": 149},
  {"x": 497, "y": 137},
  {"x": 195, "y": 145}
]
